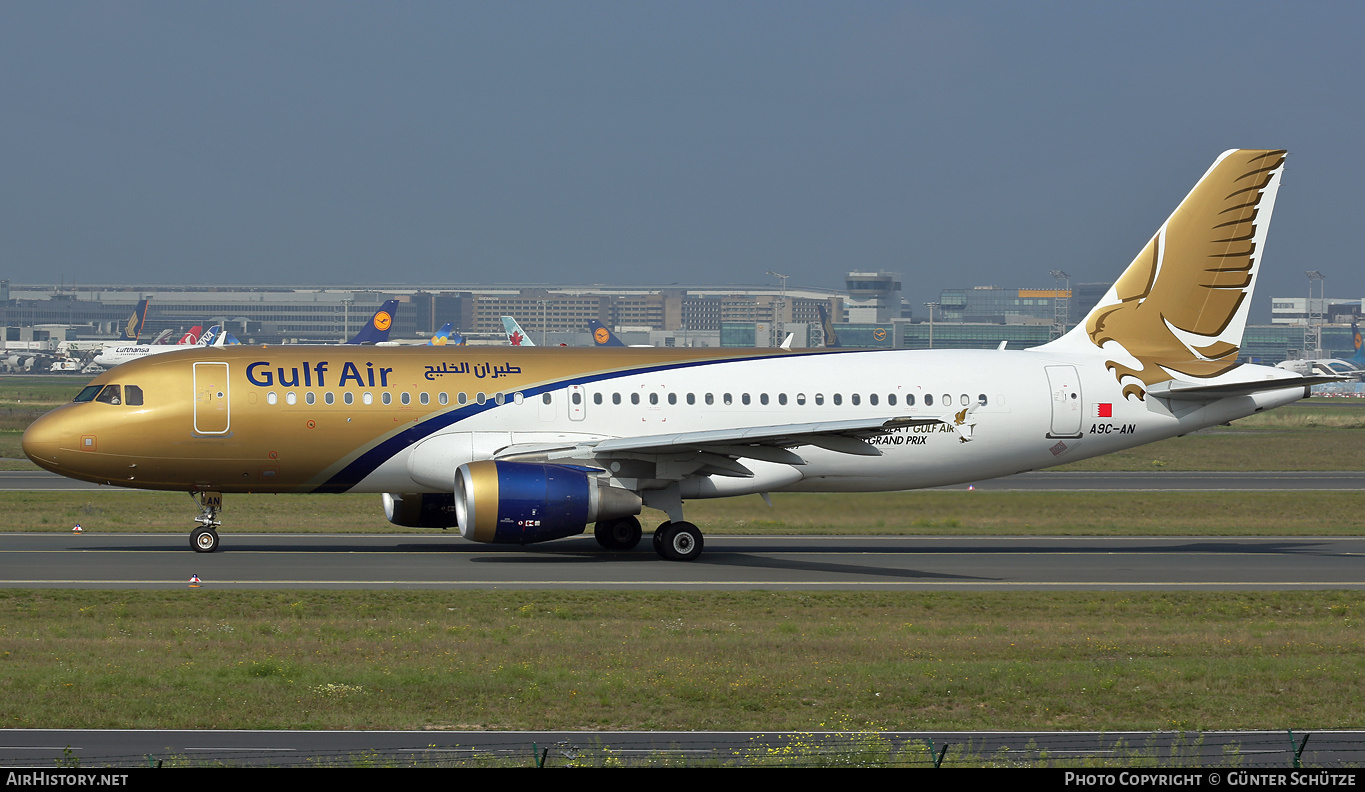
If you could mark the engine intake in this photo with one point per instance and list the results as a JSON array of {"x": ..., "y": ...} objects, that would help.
[{"x": 521, "y": 502}]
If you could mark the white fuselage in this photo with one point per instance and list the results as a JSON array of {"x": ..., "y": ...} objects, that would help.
[{"x": 1037, "y": 410}]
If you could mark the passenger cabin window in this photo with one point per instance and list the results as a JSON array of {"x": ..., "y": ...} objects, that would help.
[
  {"x": 928, "y": 399},
  {"x": 982, "y": 399},
  {"x": 634, "y": 398},
  {"x": 545, "y": 398},
  {"x": 110, "y": 395}
]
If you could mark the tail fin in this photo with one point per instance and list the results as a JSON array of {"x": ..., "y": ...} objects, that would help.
[
  {"x": 602, "y": 335},
  {"x": 377, "y": 329},
  {"x": 515, "y": 335},
  {"x": 1179, "y": 309},
  {"x": 192, "y": 337},
  {"x": 162, "y": 337},
  {"x": 1359, "y": 357},
  {"x": 132, "y": 329},
  {"x": 442, "y": 337},
  {"x": 827, "y": 327}
]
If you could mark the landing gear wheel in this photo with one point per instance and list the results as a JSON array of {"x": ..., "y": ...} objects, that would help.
[
  {"x": 204, "y": 540},
  {"x": 622, "y": 534},
  {"x": 678, "y": 541}
]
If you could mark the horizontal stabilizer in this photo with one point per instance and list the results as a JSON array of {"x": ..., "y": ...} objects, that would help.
[{"x": 1176, "y": 390}]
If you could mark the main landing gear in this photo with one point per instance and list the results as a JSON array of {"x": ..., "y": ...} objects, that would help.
[
  {"x": 673, "y": 541},
  {"x": 620, "y": 534},
  {"x": 678, "y": 541},
  {"x": 204, "y": 539}
]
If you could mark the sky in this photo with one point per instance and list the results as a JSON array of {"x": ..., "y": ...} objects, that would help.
[{"x": 433, "y": 143}]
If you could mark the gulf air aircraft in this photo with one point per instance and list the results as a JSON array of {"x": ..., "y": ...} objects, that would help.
[{"x": 529, "y": 445}]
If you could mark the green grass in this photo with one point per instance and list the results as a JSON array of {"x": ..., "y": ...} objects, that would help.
[
  {"x": 680, "y": 660},
  {"x": 895, "y": 513}
]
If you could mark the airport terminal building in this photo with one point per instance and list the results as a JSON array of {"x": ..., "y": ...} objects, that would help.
[{"x": 871, "y": 312}]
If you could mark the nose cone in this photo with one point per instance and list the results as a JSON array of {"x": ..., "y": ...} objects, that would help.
[{"x": 42, "y": 441}]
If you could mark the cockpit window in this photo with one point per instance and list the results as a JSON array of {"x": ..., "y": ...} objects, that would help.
[
  {"x": 110, "y": 395},
  {"x": 87, "y": 393},
  {"x": 132, "y": 395}
]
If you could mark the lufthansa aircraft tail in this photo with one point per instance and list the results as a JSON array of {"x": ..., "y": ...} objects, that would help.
[
  {"x": 377, "y": 329},
  {"x": 602, "y": 335},
  {"x": 515, "y": 335},
  {"x": 1178, "y": 311},
  {"x": 132, "y": 329}
]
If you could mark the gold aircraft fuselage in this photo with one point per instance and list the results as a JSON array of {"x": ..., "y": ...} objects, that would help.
[{"x": 297, "y": 418}]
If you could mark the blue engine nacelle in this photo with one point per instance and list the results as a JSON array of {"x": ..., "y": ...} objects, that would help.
[
  {"x": 522, "y": 502},
  {"x": 420, "y": 509}
]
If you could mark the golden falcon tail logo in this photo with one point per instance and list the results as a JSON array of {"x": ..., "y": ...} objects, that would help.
[{"x": 1184, "y": 290}]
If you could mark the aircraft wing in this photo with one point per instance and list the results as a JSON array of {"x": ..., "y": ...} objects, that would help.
[{"x": 715, "y": 451}]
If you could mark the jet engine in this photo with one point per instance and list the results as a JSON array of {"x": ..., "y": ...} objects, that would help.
[
  {"x": 420, "y": 509},
  {"x": 523, "y": 502}
]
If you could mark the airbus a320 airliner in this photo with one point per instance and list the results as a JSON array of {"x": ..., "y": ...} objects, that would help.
[{"x": 533, "y": 444}]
